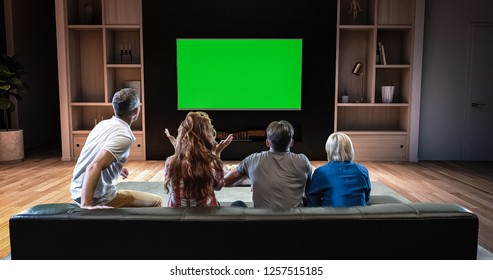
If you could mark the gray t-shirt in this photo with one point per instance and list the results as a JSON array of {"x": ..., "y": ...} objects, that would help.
[
  {"x": 115, "y": 136},
  {"x": 278, "y": 178}
]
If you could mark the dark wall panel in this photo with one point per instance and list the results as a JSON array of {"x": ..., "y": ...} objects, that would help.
[
  {"x": 35, "y": 43},
  {"x": 314, "y": 21}
]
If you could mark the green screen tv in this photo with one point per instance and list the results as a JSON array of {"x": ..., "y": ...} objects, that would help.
[{"x": 239, "y": 74}]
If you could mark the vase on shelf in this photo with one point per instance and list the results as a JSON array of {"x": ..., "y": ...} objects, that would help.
[{"x": 387, "y": 94}]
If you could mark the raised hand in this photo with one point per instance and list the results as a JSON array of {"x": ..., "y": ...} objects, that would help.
[
  {"x": 171, "y": 138},
  {"x": 223, "y": 144}
]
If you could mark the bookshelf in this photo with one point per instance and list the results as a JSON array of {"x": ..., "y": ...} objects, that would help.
[
  {"x": 100, "y": 49},
  {"x": 379, "y": 131}
]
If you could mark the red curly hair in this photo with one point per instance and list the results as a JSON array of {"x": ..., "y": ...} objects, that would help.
[{"x": 195, "y": 167}]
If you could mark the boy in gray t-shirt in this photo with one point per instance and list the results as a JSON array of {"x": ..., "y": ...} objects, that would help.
[{"x": 278, "y": 176}]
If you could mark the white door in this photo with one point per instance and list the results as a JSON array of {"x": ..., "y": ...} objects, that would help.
[{"x": 478, "y": 144}]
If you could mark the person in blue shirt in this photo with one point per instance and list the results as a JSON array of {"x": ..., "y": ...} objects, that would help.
[{"x": 340, "y": 182}]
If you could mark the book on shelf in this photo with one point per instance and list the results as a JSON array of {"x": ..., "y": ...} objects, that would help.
[
  {"x": 256, "y": 133},
  {"x": 243, "y": 135},
  {"x": 384, "y": 60},
  {"x": 381, "y": 50}
]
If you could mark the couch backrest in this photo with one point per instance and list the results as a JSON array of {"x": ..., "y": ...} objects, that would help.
[{"x": 385, "y": 231}]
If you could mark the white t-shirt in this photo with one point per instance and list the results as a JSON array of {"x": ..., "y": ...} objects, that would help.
[{"x": 115, "y": 136}]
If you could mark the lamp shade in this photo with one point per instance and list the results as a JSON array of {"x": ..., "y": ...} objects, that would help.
[{"x": 358, "y": 68}]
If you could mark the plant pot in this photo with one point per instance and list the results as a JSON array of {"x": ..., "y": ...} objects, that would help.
[{"x": 12, "y": 145}]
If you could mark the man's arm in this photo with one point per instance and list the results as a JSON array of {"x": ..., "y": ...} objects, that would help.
[
  {"x": 233, "y": 177},
  {"x": 93, "y": 173}
]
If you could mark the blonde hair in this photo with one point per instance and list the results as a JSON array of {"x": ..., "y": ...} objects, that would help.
[{"x": 339, "y": 147}]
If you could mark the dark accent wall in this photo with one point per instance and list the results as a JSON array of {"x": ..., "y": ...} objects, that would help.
[
  {"x": 35, "y": 43},
  {"x": 314, "y": 21},
  {"x": 3, "y": 46}
]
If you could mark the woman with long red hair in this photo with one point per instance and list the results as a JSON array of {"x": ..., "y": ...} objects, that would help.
[{"x": 195, "y": 170}]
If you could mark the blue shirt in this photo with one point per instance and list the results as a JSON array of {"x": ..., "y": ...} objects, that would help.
[{"x": 339, "y": 184}]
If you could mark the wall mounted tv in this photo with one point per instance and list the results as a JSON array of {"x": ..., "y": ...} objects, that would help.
[{"x": 239, "y": 74}]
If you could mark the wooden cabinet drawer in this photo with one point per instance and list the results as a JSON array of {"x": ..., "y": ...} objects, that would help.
[
  {"x": 380, "y": 147},
  {"x": 136, "y": 153},
  {"x": 78, "y": 144}
]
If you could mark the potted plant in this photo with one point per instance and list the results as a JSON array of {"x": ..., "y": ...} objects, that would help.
[
  {"x": 11, "y": 87},
  {"x": 345, "y": 97}
]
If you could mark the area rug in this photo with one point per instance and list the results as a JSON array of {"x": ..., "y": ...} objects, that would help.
[{"x": 227, "y": 195}]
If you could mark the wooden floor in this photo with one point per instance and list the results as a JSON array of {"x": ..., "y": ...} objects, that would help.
[{"x": 44, "y": 178}]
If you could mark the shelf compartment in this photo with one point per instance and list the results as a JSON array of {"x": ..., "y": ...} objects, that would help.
[
  {"x": 356, "y": 46},
  {"x": 395, "y": 12},
  {"x": 118, "y": 75},
  {"x": 365, "y": 16},
  {"x": 397, "y": 43},
  {"x": 86, "y": 65},
  {"x": 398, "y": 77},
  {"x": 372, "y": 118},
  {"x": 85, "y": 117},
  {"x": 119, "y": 40},
  {"x": 122, "y": 12},
  {"x": 86, "y": 12}
]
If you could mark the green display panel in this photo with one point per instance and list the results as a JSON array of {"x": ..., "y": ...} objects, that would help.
[{"x": 239, "y": 74}]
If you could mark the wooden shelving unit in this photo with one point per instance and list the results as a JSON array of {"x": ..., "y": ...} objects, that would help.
[
  {"x": 100, "y": 46},
  {"x": 379, "y": 131}
]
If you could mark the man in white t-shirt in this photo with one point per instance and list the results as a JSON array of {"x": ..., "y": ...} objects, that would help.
[
  {"x": 278, "y": 176},
  {"x": 102, "y": 158}
]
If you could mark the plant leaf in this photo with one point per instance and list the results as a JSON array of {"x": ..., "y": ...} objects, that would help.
[
  {"x": 5, "y": 87},
  {"x": 4, "y": 103},
  {"x": 16, "y": 82}
]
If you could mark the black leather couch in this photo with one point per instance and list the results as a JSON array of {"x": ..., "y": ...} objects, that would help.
[{"x": 383, "y": 230}]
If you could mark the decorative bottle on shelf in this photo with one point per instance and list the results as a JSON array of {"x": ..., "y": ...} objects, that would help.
[{"x": 88, "y": 14}]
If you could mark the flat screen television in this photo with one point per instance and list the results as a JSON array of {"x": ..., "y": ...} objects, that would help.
[{"x": 239, "y": 74}]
